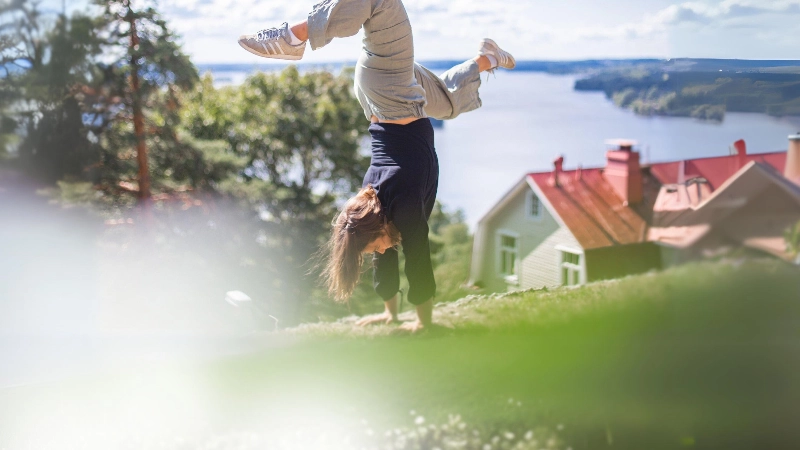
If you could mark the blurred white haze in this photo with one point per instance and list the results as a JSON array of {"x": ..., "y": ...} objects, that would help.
[{"x": 82, "y": 298}]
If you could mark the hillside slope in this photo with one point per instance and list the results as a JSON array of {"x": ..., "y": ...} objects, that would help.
[{"x": 701, "y": 356}]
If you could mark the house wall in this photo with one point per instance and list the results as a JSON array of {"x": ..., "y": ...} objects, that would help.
[
  {"x": 541, "y": 267},
  {"x": 536, "y": 240},
  {"x": 621, "y": 260}
]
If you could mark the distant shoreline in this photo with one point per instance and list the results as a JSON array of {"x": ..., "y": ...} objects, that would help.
[
  {"x": 704, "y": 89},
  {"x": 558, "y": 67}
]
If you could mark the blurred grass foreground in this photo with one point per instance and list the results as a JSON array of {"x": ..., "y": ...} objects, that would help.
[{"x": 700, "y": 356}]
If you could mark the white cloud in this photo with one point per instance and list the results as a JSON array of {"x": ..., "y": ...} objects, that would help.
[
  {"x": 690, "y": 12},
  {"x": 568, "y": 29},
  {"x": 728, "y": 14}
]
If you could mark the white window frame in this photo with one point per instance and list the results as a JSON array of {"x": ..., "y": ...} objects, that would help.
[
  {"x": 529, "y": 196},
  {"x": 510, "y": 278},
  {"x": 572, "y": 268}
]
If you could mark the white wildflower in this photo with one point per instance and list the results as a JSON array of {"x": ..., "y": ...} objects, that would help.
[
  {"x": 529, "y": 435},
  {"x": 508, "y": 435},
  {"x": 419, "y": 420}
]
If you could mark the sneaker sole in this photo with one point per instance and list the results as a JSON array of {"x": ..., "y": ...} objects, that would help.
[{"x": 286, "y": 57}]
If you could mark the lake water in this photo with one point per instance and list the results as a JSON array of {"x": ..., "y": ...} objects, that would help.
[{"x": 528, "y": 118}]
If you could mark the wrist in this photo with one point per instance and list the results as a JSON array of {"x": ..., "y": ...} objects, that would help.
[
  {"x": 425, "y": 313},
  {"x": 390, "y": 307}
]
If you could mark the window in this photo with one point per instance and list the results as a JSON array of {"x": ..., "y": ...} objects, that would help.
[
  {"x": 533, "y": 206},
  {"x": 570, "y": 268},
  {"x": 507, "y": 255}
]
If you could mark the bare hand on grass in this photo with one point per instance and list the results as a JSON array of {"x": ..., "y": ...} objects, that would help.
[
  {"x": 382, "y": 318},
  {"x": 412, "y": 327}
]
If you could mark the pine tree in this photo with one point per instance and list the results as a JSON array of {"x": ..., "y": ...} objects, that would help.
[{"x": 150, "y": 62}]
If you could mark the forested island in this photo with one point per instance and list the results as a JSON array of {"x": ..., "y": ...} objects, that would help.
[
  {"x": 700, "y": 88},
  {"x": 703, "y": 89}
]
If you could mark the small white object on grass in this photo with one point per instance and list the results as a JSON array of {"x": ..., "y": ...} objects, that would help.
[
  {"x": 276, "y": 321},
  {"x": 236, "y": 298}
]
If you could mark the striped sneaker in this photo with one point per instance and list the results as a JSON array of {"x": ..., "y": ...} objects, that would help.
[
  {"x": 504, "y": 59},
  {"x": 273, "y": 43}
]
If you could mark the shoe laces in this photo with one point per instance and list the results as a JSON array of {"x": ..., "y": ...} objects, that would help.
[{"x": 271, "y": 34}]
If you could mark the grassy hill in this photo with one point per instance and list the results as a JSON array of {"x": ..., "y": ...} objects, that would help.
[{"x": 701, "y": 356}]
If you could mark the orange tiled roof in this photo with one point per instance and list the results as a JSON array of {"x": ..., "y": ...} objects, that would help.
[
  {"x": 596, "y": 215},
  {"x": 591, "y": 209}
]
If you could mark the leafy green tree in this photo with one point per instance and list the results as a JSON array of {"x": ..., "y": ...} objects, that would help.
[
  {"x": 46, "y": 64},
  {"x": 13, "y": 16},
  {"x": 300, "y": 135},
  {"x": 451, "y": 250}
]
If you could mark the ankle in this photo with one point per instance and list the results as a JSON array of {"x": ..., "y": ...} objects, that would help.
[
  {"x": 484, "y": 63},
  {"x": 299, "y": 31}
]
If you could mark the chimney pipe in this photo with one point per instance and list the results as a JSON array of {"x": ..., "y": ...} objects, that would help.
[
  {"x": 623, "y": 171},
  {"x": 559, "y": 164},
  {"x": 792, "y": 169},
  {"x": 741, "y": 152}
]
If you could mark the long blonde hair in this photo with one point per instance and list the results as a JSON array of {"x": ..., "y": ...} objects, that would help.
[{"x": 361, "y": 221}]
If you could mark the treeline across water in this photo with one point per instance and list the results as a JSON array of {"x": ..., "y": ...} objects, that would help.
[
  {"x": 106, "y": 109},
  {"x": 698, "y": 93}
]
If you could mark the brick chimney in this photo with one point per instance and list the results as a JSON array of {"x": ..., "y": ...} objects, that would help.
[
  {"x": 740, "y": 149},
  {"x": 792, "y": 169},
  {"x": 558, "y": 164},
  {"x": 623, "y": 171}
]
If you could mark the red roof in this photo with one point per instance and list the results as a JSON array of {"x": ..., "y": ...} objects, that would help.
[
  {"x": 591, "y": 209},
  {"x": 596, "y": 215},
  {"x": 715, "y": 169}
]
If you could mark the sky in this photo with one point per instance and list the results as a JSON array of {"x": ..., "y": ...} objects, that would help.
[{"x": 529, "y": 29}]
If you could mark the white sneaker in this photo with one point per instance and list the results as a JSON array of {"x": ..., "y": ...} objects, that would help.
[
  {"x": 504, "y": 59},
  {"x": 273, "y": 43}
]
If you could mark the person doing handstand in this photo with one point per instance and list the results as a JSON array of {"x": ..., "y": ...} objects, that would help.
[{"x": 399, "y": 189}]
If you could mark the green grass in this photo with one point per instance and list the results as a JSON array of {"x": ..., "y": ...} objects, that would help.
[{"x": 701, "y": 356}]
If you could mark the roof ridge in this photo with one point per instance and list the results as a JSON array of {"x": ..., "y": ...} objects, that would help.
[{"x": 643, "y": 166}]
